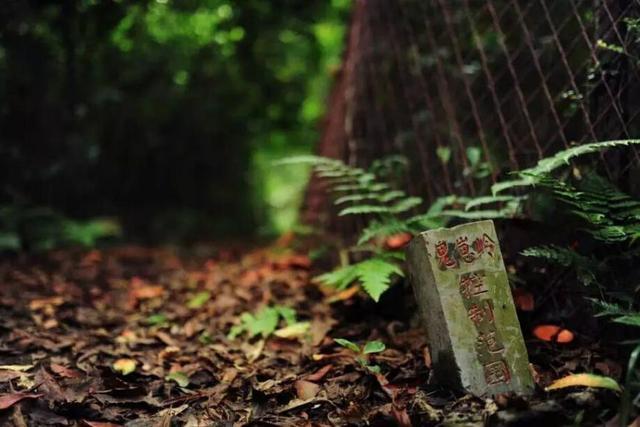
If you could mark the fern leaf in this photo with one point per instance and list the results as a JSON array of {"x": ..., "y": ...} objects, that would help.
[
  {"x": 406, "y": 204},
  {"x": 584, "y": 267},
  {"x": 479, "y": 201},
  {"x": 531, "y": 176},
  {"x": 374, "y": 274},
  {"x": 364, "y": 210},
  {"x": 383, "y": 229},
  {"x": 380, "y": 197},
  {"x": 549, "y": 164}
]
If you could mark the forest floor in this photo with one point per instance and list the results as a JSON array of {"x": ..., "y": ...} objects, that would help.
[{"x": 138, "y": 337}]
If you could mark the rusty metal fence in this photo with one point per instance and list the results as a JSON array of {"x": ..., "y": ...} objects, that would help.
[{"x": 468, "y": 90}]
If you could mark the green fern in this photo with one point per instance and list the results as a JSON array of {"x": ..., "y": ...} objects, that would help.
[
  {"x": 585, "y": 267},
  {"x": 607, "y": 213},
  {"x": 531, "y": 176},
  {"x": 374, "y": 274},
  {"x": 617, "y": 313}
]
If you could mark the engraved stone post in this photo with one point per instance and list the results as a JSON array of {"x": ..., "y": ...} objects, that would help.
[{"x": 463, "y": 293}]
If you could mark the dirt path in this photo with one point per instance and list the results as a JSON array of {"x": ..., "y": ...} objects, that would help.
[{"x": 73, "y": 324}]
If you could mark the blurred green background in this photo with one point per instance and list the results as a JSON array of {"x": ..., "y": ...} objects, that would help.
[{"x": 164, "y": 114}]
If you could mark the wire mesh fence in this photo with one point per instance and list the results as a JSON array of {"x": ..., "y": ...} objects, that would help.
[{"x": 469, "y": 90}]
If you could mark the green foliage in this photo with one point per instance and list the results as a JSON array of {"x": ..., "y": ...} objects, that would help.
[
  {"x": 584, "y": 267},
  {"x": 157, "y": 319},
  {"x": 199, "y": 299},
  {"x": 348, "y": 344},
  {"x": 607, "y": 213},
  {"x": 264, "y": 322},
  {"x": 371, "y": 193},
  {"x": 180, "y": 378},
  {"x": 40, "y": 229},
  {"x": 617, "y": 313},
  {"x": 361, "y": 353},
  {"x": 374, "y": 273},
  {"x": 211, "y": 91},
  {"x": 546, "y": 166}
]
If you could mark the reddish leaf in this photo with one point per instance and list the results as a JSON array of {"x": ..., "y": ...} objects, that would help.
[
  {"x": 100, "y": 424},
  {"x": 523, "y": 299},
  {"x": 64, "y": 372},
  {"x": 306, "y": 389},
  {"x": 398, "y": 241},
  {"x": 553, "y": 333},
  {"x": 8, "y": 400},
  {"x": 320, "y": 373}
]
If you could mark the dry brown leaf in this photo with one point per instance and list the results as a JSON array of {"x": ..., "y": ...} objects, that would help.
[
  {"x": 8, "y": 400},
  {"x": 306, "y": 389},
  {"x": 319, "y": 374}
]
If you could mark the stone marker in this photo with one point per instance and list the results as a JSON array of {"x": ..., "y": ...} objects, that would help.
[{"x": 463, "y": 293}]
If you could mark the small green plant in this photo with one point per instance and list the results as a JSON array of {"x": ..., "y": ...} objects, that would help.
[
  {"x": 387, "y": 210},
  {"x": 265, "y": 322},
  {"x": 199, "y": 300},
  {"x": 630, "y": 317},
  {"x": 362, "y": 353},
  {"x": 39, "y": 229}
]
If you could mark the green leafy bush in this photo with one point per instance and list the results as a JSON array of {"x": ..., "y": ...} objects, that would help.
[{"x": 387, "y": 210}]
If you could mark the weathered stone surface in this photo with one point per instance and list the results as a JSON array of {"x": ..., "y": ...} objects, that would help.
[{"x": 463, "y": 293}]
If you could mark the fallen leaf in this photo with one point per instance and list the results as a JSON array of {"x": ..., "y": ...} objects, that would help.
[
  {"x": 523, "y": 299},
  {"x": 553, "y": 333},
  {"x": 125, "y": 366},
  {"x": 401, "y": 416},
  {"x": 8, "y": 400},
  {"x": 21, "y": 368},
  {"x": 297, "y": 330},
  {"x": 179, "y": 377},
  {"x": 320, "y": 373},
  {"x": 306, "y": 389},
  {"x": 40, "y": 303},
  {"x": 344, "y": 295},
  {"x": 100, "y": 424},
  {"x": 565, "y": 336},
  {"x": 398, "y": 241},
  {"x": 586, "y": 380},
  {"x": 63, "y": 371},
  {"x": 199, "y": 299},
  {"x": 293, "y": 261},
  {"x": 426, "y": 355}
]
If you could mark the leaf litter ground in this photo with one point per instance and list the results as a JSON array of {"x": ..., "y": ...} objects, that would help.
[{"x": 137, "y": 336}]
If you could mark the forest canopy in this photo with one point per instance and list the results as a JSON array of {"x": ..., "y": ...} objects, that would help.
[{"x": 167, "y": 114}]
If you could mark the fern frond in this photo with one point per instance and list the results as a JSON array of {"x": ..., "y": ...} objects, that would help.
[
  {"x": 531, "y": 176},
  {"x": 584, "y": 267},
  {"x": 385, "y": 228},
  {"x": 549, "y": 164},
  {"x": 380, "y": 197},
  {"x": 479, "y": 201},
  {"x": 619, "y": 314},
  {"x": 401, "y": 206},
  {"x": 374, "y": 274},
  {"x": 609, "y": 214}
]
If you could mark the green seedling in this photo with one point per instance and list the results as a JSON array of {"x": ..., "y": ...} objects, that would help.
[
  {"x": 264, "y": 322},
  {"x": 362, "y": 353}
]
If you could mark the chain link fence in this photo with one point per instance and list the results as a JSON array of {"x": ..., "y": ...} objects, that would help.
[{"x": 469, "y": 90}]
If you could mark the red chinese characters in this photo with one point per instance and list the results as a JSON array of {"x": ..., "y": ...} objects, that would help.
[
  {"x": 444, "y": 256},
  {"x": 471, "y": 285},
  {"x": 484, "y": 244},
  {"x": 489, "y": 342},
  {"x": 451, "y": 254},
  {"x": 497, "y": 372},
  {"x": 480, "y": 312}
]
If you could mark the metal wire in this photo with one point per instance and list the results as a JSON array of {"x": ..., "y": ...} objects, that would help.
[{"x": 517, "y": 79}]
